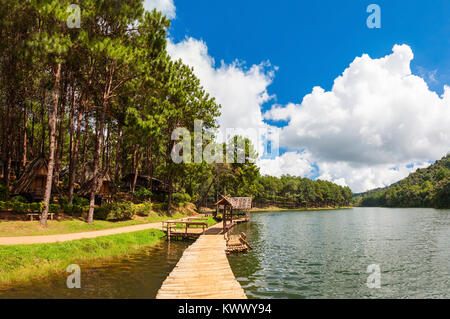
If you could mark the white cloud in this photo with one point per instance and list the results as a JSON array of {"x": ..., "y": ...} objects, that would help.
[
  {"x": 366, "y": 177},
  {"x": 377, "y": 119},
  {"x": 167, "y": 7},
  {"x": 241, "y": 91},
  {"x": 377, "y": 116},
  {"x": 291, "y": 163}
]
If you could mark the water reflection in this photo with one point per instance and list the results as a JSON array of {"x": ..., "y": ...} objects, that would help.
[
  {"x": 139, "y": 275},
  {"x": 322, "y": 254}
]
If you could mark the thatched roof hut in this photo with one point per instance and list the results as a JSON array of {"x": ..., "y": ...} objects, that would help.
[
  {"x": 33, "y": 180},
  {"x": 105, "y": 187},
  {"x": 228, "y": 204},
  {"x": 236, "y": 203}
]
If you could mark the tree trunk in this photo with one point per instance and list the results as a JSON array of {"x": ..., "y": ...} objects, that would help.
[
  {"x": 136, "y": 168},
  {"x": 98, "y": 151},
  {"x": 51, "y": 161},
  {"x": 42, "y": 122},
  {"x": 60, "y": 143},
  {"x": 25, "y": 127},
  {"x": 169, "y": 198},
  {"x": 119, "y": 141},
  {"x": 74, "y": 156},
  {"x": 85, "y": 137}
]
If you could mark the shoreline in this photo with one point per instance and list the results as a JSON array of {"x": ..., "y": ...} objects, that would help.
[
  {"x": 278, "y": 209},
  {"x": 21, "y": 264}
]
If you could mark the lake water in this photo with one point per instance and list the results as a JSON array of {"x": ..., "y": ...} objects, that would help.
[
  {"x": 313, "y": 254},
  {"x": 325, "y": 254},
  {"x": 139, "y": 275}
]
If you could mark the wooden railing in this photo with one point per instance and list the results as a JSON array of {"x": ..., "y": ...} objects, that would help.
[{"x": 186, "y": 227}]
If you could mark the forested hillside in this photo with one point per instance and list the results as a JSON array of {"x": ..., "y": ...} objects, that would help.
[
  {"x": 427, "y": 187},
  {"x": 301, "y": 192}
]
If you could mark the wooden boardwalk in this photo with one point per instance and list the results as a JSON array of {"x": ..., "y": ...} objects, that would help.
[{"x": 203, "y": 271}]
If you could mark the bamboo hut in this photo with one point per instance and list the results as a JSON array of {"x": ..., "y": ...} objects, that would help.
[
  {"x": 32, "y": 182},
  {"x": 105, "y": 188},
  {"x": 230, "y": 204}
]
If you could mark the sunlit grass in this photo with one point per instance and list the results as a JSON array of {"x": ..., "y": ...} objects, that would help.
[
  {"x": 27, "y": 228},
  {"x": 22, "y": 263}
]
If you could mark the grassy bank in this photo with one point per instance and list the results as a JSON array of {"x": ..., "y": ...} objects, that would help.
[
  {"x": 74, "y": 225},
  {"x": 278, "y": 209},
  {"x": 23, "y": 263}
]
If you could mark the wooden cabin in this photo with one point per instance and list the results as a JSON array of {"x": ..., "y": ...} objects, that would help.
[
  {"x": 32, "y": 182},
  {"x": 105, "y": 190},
  {"x": 232, "y": 205}
]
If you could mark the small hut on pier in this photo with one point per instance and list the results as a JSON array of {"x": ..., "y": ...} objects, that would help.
[
  {"x": 233, "y": 205},
  {"x": 32, "y": 182}
]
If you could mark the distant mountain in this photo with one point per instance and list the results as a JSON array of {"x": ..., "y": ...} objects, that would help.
[{"x": 427, "y": 187}]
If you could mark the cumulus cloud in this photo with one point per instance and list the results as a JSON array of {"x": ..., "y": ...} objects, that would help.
[
  {"x": 378, "y": 123},
  {"x": 366, "y": 177},
  {"x": 240, "y": 90},
  {"x": 377, "y": 119},
  {"x": 291, "y": 163},
  {"x": 167, "y": 7}
]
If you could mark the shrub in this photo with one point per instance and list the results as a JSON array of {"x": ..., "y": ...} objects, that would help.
[
  {"x": 80, "y": 201},
  {"x": 71, "y": 209},
  {"x": 142, "y": 209},
  {"x": 68, "y": 209},
  {"x": 36, "y": 207},
  {"x": 5, "y": 205},
  {"x": 19, "y": 199},
  {"x": 143, "y": 193},
  {"x": 54, "y": 208},
  {"x": 63, "y": 201},
  {"x": 3, "y": 192},
  {"x": 115, "y": 211},
  {"x": 19, "y": 208},
  {"x": 180, "y": 198}
]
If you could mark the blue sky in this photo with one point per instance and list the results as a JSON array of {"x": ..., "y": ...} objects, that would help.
[
  {"x": 362, "y": 121},
  {"x": 312, "y": 42}
]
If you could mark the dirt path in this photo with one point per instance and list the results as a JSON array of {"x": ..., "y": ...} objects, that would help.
[{"x": 28, "y": 240}]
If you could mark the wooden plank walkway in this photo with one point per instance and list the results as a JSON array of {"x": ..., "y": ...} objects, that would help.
[{"x": 203, "y": 271}]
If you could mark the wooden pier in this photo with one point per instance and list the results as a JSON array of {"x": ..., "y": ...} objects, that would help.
[
  {"x": 185, "y": 228},
  {"x": 203, "y": 271}
]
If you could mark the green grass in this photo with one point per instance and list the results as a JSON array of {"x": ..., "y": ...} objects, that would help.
[
  {"x": 27, "y": 228},
  {"x": 22, "y": 263}
]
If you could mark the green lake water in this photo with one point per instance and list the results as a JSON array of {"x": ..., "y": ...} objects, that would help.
[
  {"x": 312, "y": 254},
  {"x": 325, "y": 254}
]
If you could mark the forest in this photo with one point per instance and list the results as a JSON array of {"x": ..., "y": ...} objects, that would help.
[
  {"x": 92, "y": 108},
  {"x": 427, "y": 187}
]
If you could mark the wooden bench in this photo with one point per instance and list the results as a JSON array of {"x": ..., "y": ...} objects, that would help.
[{"x": 32, "y": 215}]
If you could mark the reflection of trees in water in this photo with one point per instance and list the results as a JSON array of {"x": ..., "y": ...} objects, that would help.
[
  {"x": 174, "y": 249},
  {"x": 244, "y": 265}
]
